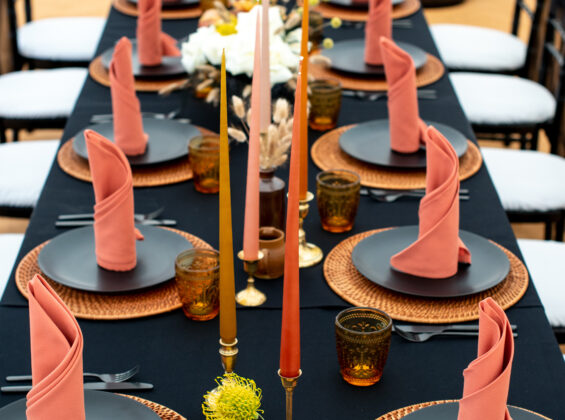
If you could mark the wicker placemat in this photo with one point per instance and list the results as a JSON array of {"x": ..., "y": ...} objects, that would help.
[
  {"x": 406, "y": 8},
  {"x": 401, "y": 412},
  {"x": 327, "y": 154},
  {"x": 130, "y": 9},
  {"x": 350, "y": 285},
  {"x": 101, "y": 306},
  {"x": 150, "y": 176},
  {"x": 162, "y": 411},
  {"x": 431, "y": 72},
  {"x": 100, "y": 74}
]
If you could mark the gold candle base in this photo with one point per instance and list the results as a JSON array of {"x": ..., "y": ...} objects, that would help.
[
  {"x": 289, "y": 384},
  {"x": 250, "y": 296},
  {"x": 228, "y": 353},
  {"x": 308, "y": 254}
]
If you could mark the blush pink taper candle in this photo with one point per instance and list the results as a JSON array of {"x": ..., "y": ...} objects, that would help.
[
  {"x": 265, "y": 68},
  {"x": 290, "y": 330},
  {"x": 251, "y": 224}
]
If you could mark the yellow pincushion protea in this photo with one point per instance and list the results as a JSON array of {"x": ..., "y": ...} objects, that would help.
[{"x": 235, "y": 398}]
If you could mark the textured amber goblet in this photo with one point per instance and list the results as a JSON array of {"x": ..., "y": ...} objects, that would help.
[
  {"x": 362, "y": 341},
  {"x": 204, "y": 159},
  {"x": 338, "y": 198},
  {"x": 197, "y": 276},
  {"x": 325, "y": 101}
]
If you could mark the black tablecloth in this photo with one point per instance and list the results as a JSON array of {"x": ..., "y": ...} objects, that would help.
[{"x": 180, "y": 357}]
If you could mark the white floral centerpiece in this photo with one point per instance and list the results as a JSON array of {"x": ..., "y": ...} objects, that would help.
[{"x": 205, "y": 46}]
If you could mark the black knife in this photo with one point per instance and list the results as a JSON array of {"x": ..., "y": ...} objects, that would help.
[{"x": 96, "y": 386}]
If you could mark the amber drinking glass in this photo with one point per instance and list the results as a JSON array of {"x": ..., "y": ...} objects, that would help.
[
  {"x": 362, "y": 342},
  {"x": 325, "y": 101},
  {"x": 338, "y": 198},
  {"x": 204, "y": 158},
  {"x": 197, "y": 276}
]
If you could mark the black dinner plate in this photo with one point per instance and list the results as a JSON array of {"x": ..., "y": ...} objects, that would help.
[
  {"x": 168, "y": 140},
  {"x": 98, "y": 406},
  {"x": 70, "y": 259},
  {"x": 349, "y": 57},
  {"x": 372, "y": 256},
  {"x": 174, "y": 4},
  {"x": 448, "y": 411},
  {"x": 370, "y": 142},
  {"x": 360, "y": 5},
  {"x": 170, "y": 66}
]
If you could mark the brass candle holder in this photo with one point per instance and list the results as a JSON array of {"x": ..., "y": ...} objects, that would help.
[
  {"x": 308, "y": 254},
  {"x": 250, "y": 296},
  {"x": 289, "y": 384},
  {"x": 228, "y": 353}
]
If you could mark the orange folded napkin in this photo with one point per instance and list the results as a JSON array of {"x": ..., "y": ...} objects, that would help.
[
  {"x": 56, "y": 357},
  {"x": 379, "y": 24},
  {"x": 438, "y": 249},
  {"x": 128, "y": 126},
  {"x": 152, "y": 44},
  {"x": 114, "y": 229},
  {"x": 487, "y": 378},
  {"x": 407, "y": 130}
]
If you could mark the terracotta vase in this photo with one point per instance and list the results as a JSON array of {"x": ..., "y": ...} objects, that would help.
[
  {"x": 272, "y": 199},
  {"x": 271, "y": 243}
]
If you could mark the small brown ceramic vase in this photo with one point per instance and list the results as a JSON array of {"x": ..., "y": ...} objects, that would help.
[{"x": 271, "y": 243}]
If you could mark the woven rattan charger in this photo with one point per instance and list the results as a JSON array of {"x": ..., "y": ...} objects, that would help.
[
  {"x": 130, "y": 9},
  {"x": 101, "y": 75},
  {"x": 162, "y": 411},
  {"x": 430, "y": 73},
  {"x": 404, "y": 9},
  {"x": 327, "y": 154},
  {"x": 101, "y": 306},
  {"x": 344, "y": 279},
  {"x": 151, "y": 176}
]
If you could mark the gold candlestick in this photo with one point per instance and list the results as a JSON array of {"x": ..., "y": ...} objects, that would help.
[
  {"x": 308, "y": 254},
  {"x": 228, "y": 353},
  {"x": 250, "y": 296},
  {"x": 289, "y": 384}
]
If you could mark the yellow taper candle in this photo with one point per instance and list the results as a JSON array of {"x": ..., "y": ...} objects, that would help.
[
  {"x": 304, "y": 102},
  {"x": 227, "y": 285}
]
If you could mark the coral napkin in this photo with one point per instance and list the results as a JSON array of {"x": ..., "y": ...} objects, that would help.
[
  {"x": 438, "y": 249},
  {"x": 379, "y": 24},
  {"x": 407, "y": 130},
  {"x": 128, "y": 127},
  {"x": 152, "y": 44},
  {"x": 56, "y": 357},
  {"x": 487, "y": 378},
  {"x": 114, "y": 230}
]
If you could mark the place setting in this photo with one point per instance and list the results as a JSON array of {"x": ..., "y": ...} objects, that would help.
[
  {"x": 433, "y": 272},
  {"x": 118, "y": 266},
  {"x": 156, "y": 146},
  {"x": 391, "y": 153},
  {"x": 357, "y": 10},
  {"x": 169, "y": 9},
  {"x": 155, "y": 56},
  {"x": 59, "y": 390}
]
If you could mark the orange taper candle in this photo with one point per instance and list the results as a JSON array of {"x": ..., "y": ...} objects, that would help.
[
  {"x": 304, "y": 102},
  {"x": 227, "y": 284},
  {"x": 265, "y": 68},
  {"x": 290, "y": 330},
  {"x": 251, "y": 224}
]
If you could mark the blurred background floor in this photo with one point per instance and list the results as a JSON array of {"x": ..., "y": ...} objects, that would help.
[{"x": 496, "y": 14}]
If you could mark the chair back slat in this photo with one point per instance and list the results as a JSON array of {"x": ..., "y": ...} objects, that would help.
[{"x": 534, "y": 51}]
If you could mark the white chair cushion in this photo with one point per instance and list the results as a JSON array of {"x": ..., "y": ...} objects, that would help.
[
  {"x": 9, "y": 247},
  {"x": 502, "y": 100},
  {"x": 527, "y": 180},
  {"x": 40, "y": 93},
  {"x": 546, "y": 262},
  {"x": 465, "y": 47},
  {"x": 61, "y": 39},
  {"x": 23, "y": 169}
]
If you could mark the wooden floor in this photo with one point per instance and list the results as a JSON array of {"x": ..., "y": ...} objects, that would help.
[{"x": 496, "y": 14}]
